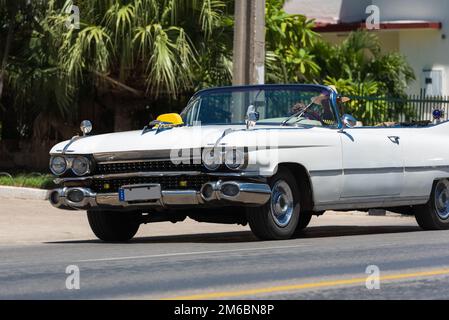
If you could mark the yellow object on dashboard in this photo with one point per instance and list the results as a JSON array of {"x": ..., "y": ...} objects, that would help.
[{"x": 172, "y": 118}]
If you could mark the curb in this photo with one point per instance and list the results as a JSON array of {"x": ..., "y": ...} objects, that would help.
[{"x": 23, "y": 193}]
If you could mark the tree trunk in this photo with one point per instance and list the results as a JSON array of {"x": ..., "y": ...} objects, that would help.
[
  {"x": 5, "y": 57},
  {"x": 8, "y": 118}
]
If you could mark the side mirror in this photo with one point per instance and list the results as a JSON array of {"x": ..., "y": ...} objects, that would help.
[
  {"x": 348, "y": 121},
  {"x": 252, "y": 116},
  {"x": 86, "y": 127}
]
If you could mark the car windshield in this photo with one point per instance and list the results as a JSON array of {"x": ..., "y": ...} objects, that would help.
[{"x": 289, "y": 105}]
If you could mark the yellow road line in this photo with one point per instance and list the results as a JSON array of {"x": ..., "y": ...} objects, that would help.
[{"x": 276, "y": 289}]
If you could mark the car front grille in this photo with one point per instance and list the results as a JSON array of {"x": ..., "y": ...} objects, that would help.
[
  {"x": 166, "y": 182},
  {"x": 145, "y": 166}
]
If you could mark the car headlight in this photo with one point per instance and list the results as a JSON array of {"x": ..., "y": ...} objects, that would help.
[
  {"x": 212, "y": 159},
  {"x": 235, "y": 159},
  {"x": 80, "y": 166},
  {"x": 58, "y": 165}
]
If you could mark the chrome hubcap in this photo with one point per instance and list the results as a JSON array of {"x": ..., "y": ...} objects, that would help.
[
  {"x": 442, "y": 199},
  {"x": 281, "y": 203}
]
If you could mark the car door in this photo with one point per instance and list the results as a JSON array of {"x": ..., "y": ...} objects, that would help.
[{"x": 372, "y": 163}]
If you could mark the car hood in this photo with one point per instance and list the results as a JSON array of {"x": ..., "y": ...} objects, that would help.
[{"x": 174, "y": 138}]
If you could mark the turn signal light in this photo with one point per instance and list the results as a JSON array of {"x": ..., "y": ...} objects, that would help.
[{"x": 183, "y": 184}]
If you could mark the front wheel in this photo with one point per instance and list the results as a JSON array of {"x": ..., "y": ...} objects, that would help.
[
  {"x": 278, "y": 219},
  {"x": 112, "y": 226},
  {"x": 304, "y": 219},
  {"x": 434, "y": 215}
]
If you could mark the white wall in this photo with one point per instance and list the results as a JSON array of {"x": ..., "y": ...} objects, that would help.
[
  {"x": 329, "y": 10},
  {"x": 424, "y": 49},
  {"x": 354, "y": 10},
  {"x": 412, "y": 9}
]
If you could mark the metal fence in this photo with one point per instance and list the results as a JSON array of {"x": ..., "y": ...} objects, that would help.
[{"x": 413, "y": 108}]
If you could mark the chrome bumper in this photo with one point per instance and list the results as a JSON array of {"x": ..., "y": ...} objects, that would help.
[{"x": 212, "y": 193}]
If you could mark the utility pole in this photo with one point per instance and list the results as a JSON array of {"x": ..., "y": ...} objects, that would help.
[{"x": 249, "y": 42}]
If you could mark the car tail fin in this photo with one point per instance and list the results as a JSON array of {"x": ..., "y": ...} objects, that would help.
[{"x": 442, "y": 127}]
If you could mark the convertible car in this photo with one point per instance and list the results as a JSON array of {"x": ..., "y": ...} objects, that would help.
[{"x": 270, "y": 156}]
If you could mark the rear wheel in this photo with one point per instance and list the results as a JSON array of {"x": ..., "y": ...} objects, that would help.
[
  {"x": 277, "y": 219},
  {"x": 434, "y": 215},
  {"x": 112, "y": 226}
]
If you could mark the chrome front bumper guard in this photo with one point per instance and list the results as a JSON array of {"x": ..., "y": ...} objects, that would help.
[{"x": 212, "y": 193}]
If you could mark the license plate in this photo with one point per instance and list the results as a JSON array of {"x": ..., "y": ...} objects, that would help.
[{"x": 146, "y": 192}]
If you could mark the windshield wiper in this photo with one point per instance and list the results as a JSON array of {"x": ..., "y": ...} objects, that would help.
[{"x": 297, "y": 114}]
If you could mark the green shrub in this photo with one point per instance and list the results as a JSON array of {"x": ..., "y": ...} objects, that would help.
[{"x": 29, "y": 180}]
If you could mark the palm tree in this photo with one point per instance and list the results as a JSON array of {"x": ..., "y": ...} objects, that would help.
[
  {"x": 148, "y": 49},
  {"x": 28, "y": 68},
  {"x": 148, "y": 45}
]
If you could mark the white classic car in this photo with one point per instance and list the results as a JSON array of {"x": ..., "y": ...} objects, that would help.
[{"x": 271, "y": 156}]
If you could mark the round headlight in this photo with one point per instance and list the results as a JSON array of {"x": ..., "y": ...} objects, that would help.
[
  {"x": 58, "y": 165},
  {"x": 80, "y": 166},
  {"x": 235, "y": 159},
  {"x": 211, "y": 159}
]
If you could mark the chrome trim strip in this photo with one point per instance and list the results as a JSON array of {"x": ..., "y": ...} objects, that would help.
[
  {"x": 373, "y": 170},
  {"x": 249, "y": 194},
  {"x": 146, "y": 174},
  {"x": 234, "y": 174},
  {"x": 325, "y": 173},
  {"x": 427, "y": 168},
  {"x": 190, "y": 161},
  {"x": 64, "y": 180},
  {"x": 129, "y": 175},
  {"x": 333, "y": 172},
  {"x": 368, "y": 203},
  {"x": 157, "y": 174},
  {"x": 132, "y": 155}
]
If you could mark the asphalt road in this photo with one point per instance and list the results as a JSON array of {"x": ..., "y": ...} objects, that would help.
[{"x": 326, "y": 262}]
